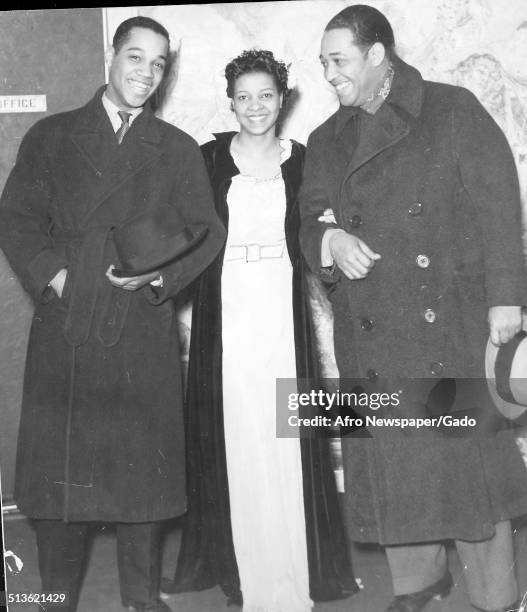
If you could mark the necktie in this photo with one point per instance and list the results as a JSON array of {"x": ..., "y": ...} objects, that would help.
[{"x": 125, "y": 125}]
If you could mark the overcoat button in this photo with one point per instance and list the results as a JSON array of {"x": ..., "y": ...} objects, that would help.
[
  {"x": 430, "y": 315},
  {"x": 415, "y": 209},
  {"x": 372, "y": 375},
  {"x": 356, "y": 221},
  {"x": 436, "y": 368},
  {"x": 366, "y": 324},
  {"x": 423, "y": 261}
]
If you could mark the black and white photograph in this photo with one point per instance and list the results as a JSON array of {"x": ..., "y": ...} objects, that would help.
[{"x": 263, "y": 307}]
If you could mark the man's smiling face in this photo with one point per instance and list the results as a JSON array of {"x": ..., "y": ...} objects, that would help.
[
  {"x": 348, "y": 67},
  {"x": 137, "y": 68}
]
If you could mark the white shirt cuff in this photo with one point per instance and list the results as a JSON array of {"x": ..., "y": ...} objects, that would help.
[{"x": 158, "y": 282}]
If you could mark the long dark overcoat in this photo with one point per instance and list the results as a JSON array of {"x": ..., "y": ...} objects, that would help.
[
  {"x": 101, "y": 431},
  {"x": 428, "y": 182},
  {"x": 207, "y": 554}
]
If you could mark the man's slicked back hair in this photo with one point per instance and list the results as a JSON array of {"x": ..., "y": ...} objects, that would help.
[
  {"x": 123, "y": 31},
  {"x": 367, "y": 25}
]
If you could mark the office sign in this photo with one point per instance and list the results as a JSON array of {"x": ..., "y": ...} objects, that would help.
[{"x": 23, "y": 104}]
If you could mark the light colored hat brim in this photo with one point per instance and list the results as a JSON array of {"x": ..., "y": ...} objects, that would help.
[{"x": 509, "y": 410}]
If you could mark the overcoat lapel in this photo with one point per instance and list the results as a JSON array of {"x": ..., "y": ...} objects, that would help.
[
  {"x": 112, "y": 163},
  {"x": 392, "y": 121},
  {"x": 376, "y": 135}
]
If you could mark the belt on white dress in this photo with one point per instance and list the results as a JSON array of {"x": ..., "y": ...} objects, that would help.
[{"x": 254, "y": 252}]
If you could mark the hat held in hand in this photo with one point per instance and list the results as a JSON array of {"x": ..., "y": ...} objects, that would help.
[
  {"x": 506, "y": 371},
  {"x": 153, "y": 239}
]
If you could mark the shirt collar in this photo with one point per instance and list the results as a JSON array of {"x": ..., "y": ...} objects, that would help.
[{"x": 113, "y": 110}]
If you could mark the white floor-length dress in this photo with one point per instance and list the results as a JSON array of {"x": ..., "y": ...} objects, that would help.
[{"x": 264, "y": 472}]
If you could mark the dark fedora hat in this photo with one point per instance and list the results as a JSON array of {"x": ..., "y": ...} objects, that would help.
[
  {"x": 153, "y": 239},
  {"x": 506, "y": 371}
]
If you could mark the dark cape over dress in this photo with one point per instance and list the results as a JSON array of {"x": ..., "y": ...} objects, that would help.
[{"x": 207, "y": 556}]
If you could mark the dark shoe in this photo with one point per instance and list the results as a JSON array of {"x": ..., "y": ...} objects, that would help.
[
  {"x": 515, "y": 607},
  {"x": 156, "y": 606},
  {"x": 168, "y": 587},
  {"x": 235, "y": 600},
  {"x": 415, "y": 602}
]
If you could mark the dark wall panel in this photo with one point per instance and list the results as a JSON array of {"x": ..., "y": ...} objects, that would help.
[{"x": 58, "y": 53}]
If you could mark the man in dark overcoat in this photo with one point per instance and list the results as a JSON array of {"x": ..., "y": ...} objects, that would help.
[
  {"x": 101, "y": 431},
  {"x": 411, "y": 212}
]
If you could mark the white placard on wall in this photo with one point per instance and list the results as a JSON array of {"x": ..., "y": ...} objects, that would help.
[{"x": 25, "y": 103}]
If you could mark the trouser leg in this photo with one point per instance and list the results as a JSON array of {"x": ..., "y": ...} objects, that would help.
[
  {"x": 489, "y": 569},
  {"x": 139, "y": 560},
  {"x": 415, "y": 567},
  {"x": 61, "y": 550}
]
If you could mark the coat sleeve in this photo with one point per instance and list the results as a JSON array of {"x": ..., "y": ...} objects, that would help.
[
  {"x": 488, "y": 173},
  {"x": 25, "y": 217},
  {"x": 313, "y": 202},
  {"x": 192, "y": 195}
]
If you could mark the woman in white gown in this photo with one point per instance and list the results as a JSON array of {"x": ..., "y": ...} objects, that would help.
[
  {"x": 263, "y": 517},
  {"x": 264, "y": 472}
]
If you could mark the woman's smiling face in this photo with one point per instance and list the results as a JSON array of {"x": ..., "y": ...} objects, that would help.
[{"x": 256, "y": 102}]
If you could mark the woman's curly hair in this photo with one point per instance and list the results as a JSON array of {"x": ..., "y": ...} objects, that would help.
[{"x": 256, "y": 60}]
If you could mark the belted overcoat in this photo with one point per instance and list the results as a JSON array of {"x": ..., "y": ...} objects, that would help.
[
  {"x": 101, "y": 433},
  {"x": 429, "y": 183}
]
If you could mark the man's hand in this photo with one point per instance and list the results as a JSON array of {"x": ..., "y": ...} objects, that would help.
[
  {"x": 504, "y": 323},
  {"x": 353, "y": 256},
  {"x": 58, "y": 281},
  {"x": 131, "y": 283}
]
